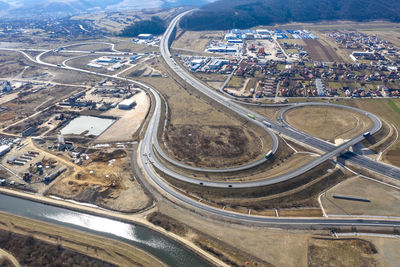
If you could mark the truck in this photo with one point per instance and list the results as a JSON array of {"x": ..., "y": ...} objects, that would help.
[
  {"x": 366, "y": 134},
  {"x": 267, "y": 124},
  {"x": 269, "y": 154},
  {"x": 251, "y": 116}
]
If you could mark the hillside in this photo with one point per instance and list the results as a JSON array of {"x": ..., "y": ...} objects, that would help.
[
  {"x": 154, "y": 26},
  {"x": 63, "y": 8},
  {"x": 227, "y": 14}
]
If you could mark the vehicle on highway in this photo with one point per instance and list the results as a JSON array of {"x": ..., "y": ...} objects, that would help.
[
  {"x": 366, "y": 134},
  {"x": 267, "y": 124},
  {"x": 269, "y": 154},
  {"x": 251, "y": 116}
]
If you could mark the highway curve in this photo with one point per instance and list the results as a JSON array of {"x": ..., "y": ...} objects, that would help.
[
  {"x": 289, "y": 132},
  {"x": 145, "y": 159}
]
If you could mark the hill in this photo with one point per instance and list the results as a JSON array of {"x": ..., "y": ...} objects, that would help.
[
  {"x": 63, "y": 8},
  {"x": 227, "y": 14},
  {"x": 154, "y": 26}
]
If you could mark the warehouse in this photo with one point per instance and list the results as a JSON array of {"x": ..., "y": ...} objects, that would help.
[
  {"x": 4, "y": 149},
  {"x": 144, "y": 36},
  {"x": 127, "y": 104}
]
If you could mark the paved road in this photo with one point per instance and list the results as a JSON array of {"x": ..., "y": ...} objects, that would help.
[
  {"x": 331, "y": 151},
  {"x": 146, "y": 150}
]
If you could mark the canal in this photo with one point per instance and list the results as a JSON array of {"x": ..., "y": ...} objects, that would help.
[{"x": 168, "y": 251}]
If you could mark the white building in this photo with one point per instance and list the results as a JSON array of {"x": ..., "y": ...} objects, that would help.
[
  {"x": 230, "y": 36},
  {"x": 4, "y": 149},
  {"x": 145, "y": 36},
  {"x": 127, "y": 104},
  {"x": 94, "y": 65}
]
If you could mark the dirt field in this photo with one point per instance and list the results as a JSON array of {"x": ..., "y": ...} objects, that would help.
[
  {"x": 342, "y": 252},
  {"x": 195, "y": 41},
  {"x": 328, "y": 123},
  {"x": 379, "y": 195},
  {"x": 321, "y": 52},
  {"x": 388, "y": 110},
  {"x": 129, "y": 122},
  {"x": 213, "y": 145},
  {"x": 275, "y": 246},
  {"x": 36, "y": 243},
  {"x": 106, "y": 181}
]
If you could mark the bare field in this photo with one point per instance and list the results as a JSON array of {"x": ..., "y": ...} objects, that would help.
[
  {"x": 379, "y": 195},
  {"x": 328, "y": 123},
  {"x": 196, "y": 40},
  {"x": 321, "y": 51},
  {"x": 106, "y": 181},
  {"x": 341, "y": 252},
  {"x": 214, "y": 145}
]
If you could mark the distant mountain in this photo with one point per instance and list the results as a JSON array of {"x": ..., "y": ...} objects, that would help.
[
  {"x": 58, "y": 8},
  {"x": 176, "y": 3},
  {"x": 227, "y": 14},
  {"x": 62, "y": 8}
]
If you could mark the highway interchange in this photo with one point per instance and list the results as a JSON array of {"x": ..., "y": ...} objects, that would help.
[{"x": 150, "y": 162}]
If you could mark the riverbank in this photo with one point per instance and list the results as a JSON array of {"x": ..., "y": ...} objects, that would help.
[
  {"x": 103, "y": 249},
  {"x": 137, "y": 219}
]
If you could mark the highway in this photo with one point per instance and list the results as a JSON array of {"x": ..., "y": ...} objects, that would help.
[
  {"x": 284, "y": 130},
  {"x": 145, "y": 158}
]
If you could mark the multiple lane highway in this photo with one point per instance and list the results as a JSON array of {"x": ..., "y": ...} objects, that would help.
[
  {"x": 151, "y": 163},
  {"x": 284, "y": 130}
]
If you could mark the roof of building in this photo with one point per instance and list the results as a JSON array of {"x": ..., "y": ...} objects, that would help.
[
  {"x": 127, "y": 102},
  {"x": 4, "y": 148}
]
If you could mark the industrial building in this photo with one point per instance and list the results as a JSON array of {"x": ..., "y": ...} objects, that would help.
[
  {"x": 222, "y": 49},
  {"x": 217, "y": 63},
  {"x": 4, "y": 149},
  {"x": 108, "y": 60},
  {"x": 127, "y": 104},
  {"x": 145, "y": 36},
  {"x": 94, "y": 65}
]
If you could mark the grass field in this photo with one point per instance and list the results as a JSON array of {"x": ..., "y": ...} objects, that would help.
[
  {"x": 328, "y": 123},
  {"x": 235, "y": 82},
  {"x": 341, "y": 252},
  {"x": 379, "y": 195},
  {"x": 195, "y": 41}
]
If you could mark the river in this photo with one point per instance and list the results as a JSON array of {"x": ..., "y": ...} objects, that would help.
[{"x": 168, "y": 251}]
